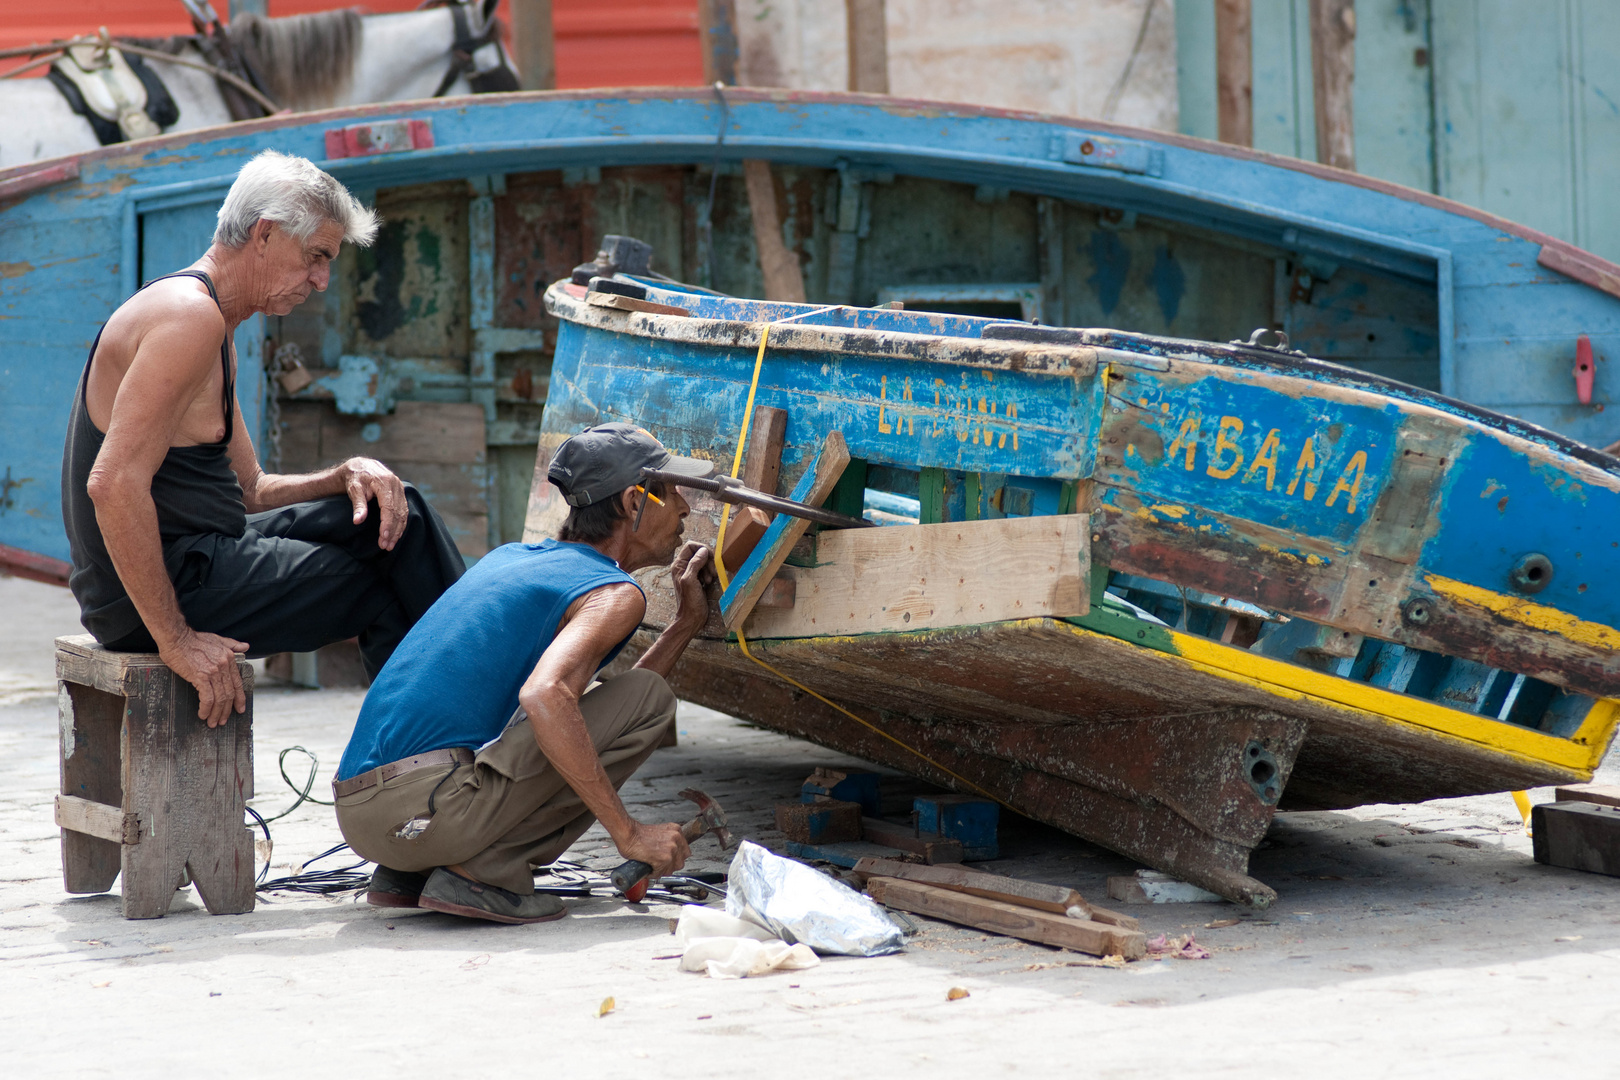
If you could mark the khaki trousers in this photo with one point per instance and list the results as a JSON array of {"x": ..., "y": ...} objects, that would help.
[{"x": 509, "y": 811}]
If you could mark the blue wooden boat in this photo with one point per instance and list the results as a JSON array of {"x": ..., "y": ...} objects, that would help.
[{"x": 1417, "y": 502}]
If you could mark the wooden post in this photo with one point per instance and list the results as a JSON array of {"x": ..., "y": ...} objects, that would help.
[
  {"x": 717, "y": 33},
  {"x": 868, "y": 46},
  {"x": 1333, "y": 75},
  {"x": 1234, "y": 72},
  {"x": 533, "y": 44},
  {"x": 784, "y": 279}
]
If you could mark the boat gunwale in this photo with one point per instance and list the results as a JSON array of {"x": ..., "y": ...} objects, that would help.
[
  {"x": 1559, "y": 255},
  {"x": 1024, "y": 356}
]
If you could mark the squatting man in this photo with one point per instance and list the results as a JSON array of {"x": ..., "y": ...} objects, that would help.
[{"x": 482, "y": 750}]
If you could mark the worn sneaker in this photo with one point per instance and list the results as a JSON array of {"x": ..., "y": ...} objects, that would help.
[
  {"x": 455, "y": 895},
  {"x": 394, "y": 888}
]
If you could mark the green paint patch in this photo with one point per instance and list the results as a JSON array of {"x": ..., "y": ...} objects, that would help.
[{"x": 427, "y": 249}]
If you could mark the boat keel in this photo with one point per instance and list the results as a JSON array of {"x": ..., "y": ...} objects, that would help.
[{"x": 1190, "y": 795}]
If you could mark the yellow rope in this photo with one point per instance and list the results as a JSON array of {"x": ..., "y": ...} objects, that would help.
[{"x": 742, "y": 640}]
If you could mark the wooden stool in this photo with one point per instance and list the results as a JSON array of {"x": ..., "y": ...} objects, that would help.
[{"x": 149, "y": 790}]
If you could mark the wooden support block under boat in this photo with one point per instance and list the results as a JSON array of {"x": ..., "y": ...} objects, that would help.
[
  {"x": 958, "y": 573},
  {"x": 1013, "y": 920},
  {"x": 1058, "y": 899},
  {"x": 756, "y": 573}
]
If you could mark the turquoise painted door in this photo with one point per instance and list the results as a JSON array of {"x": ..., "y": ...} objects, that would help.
[{"x": 1509, "y": 106}]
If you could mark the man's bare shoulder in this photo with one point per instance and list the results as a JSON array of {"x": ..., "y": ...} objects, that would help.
[
  {"x": 181, "y": 304},
  {"x": 619, "y": 602}
]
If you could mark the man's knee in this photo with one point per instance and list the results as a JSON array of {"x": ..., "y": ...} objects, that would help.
[{"x": 651, "y": 693}]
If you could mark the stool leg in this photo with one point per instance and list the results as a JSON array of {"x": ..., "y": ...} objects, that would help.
[
  {"x": 218, "y": 781},
  {"x": 189, "y": 784},
  {"x": 152, "y": 868},
  {"x": 91, "y": 721}
]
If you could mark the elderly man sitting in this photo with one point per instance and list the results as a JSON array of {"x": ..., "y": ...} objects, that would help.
[{"x": 181, "y": 544}]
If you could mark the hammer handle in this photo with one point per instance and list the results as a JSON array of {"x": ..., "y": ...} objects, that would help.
[{"x": 631, "y": 877}]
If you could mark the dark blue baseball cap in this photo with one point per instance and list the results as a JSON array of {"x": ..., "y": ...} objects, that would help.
[{"x": 602, "y": 461}]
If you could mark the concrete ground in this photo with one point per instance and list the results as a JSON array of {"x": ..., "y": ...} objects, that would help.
[{"x": 1416, "y": 940}]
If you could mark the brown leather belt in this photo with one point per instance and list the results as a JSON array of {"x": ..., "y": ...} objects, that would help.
[{"x": 454, "y": 755}]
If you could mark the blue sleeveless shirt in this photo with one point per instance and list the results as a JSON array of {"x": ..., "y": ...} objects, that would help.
[{"x": 454, "y": 680}]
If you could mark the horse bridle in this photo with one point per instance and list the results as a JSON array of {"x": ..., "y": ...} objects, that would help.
[{"x": 464, "y": 52}]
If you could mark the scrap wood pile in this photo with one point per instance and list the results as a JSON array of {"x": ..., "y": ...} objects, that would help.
[{"x": 1049, "y": 914}]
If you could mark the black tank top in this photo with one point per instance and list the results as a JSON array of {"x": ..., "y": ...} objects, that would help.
[{"x": 195, "y": 492}]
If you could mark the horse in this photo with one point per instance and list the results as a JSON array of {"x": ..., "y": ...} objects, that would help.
[{"x": 300, "y": 62}]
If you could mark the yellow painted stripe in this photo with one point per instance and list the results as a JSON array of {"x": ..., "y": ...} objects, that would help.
[
  {"x": 1582, "y": 751},
  {"x": 1579, "y": 753},
  {"x": 1525, "y": 612}
]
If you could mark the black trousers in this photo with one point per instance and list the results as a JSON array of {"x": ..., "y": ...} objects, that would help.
[{"x": 305, "y": 575}]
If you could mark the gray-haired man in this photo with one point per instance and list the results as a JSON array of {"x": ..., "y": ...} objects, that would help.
[{"x": 181, "y": 544}]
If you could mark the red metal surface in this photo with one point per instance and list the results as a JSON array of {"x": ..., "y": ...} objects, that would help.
[
  {"x": 598, "y": 42},
  {"x": 26, "y": 564},
  {"x": 384, "y": 137},
  {"x": 1584, "y": 371}
]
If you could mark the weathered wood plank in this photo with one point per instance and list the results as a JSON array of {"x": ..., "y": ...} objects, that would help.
[
  {"x": 189, "y": 784},
  {"x": 784, "y": 279},
  {"x": 762, "y": 462},
  {"x": 755, "y": 575},
  {"x": 448, "y": 433},
  {"x": 868, "y": 42},
  {"x": 1082, "y": 935},
  {"x": 1577, "y": 836},
  {"x": 746, "y": 528},
  {"x": 1333, "y": 73},
  {"x": 933, "y": 849},
  {"x": 91, "y": 722},
  {"x": 1234, "y": 72},
  {"x": 1059, "y": 899},
  {"x": 1603, "y": 794},
  {"x": 615, "y": 302},
  {"x": 98, "y": 820},
  {"x": 913, "y": 577}
]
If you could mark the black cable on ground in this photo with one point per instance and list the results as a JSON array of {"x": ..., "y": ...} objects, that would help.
[{"x": 570, "y": 879}]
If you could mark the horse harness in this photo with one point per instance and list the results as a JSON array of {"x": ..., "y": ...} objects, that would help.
[
  {"x": 119, "y": 95},
  {"x": 478, "y": 57},
  {"x": 123, "y": 98}
]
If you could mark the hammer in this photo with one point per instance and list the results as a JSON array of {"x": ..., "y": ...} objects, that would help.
[{"x": 632, "y": 877}]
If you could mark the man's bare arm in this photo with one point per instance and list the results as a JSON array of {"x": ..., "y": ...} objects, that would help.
[
  {"x": 171, "y": 364},
  {"x": 692, "y": 574},
  {"x": 601, "y": 619},
  {"x": 360, "y": 479}
]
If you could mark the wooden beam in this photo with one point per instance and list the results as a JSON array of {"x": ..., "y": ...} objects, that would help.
[
  {"x": 868, "y": 39},
  {"x": 743, "y": 534},
  {"x": 933, "y": 849},
  {"x": 755, "y": 575},
  {"x": 784, "y": 278},
  {"x": 534, "y": 48},
  {"x": 1058, "y": 899},
  {"x": 957, "y": 573},
  {"x": 1234, "y": 72},
  {"x": 717, "y": 34},
  {"x": 1603, "y": 794},
  {"x": 1082, "y": 935},
  {"x": 1333, "y": 74},
  {"x": 96, "y": 819},
  {"x": 762, "y": 464}
]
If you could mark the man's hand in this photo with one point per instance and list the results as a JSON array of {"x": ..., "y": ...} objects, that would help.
[
  {"x": 661, "y": 847},
  {"x": 365, "y": 479},
  {"x": 208, "y": 662},
  {"x": 692, "y": 572}
]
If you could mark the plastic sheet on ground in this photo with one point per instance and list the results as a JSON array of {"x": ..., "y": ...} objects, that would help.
[
  {"x": 725, "y": 947},
  {"x": 804, "y": 906}
]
